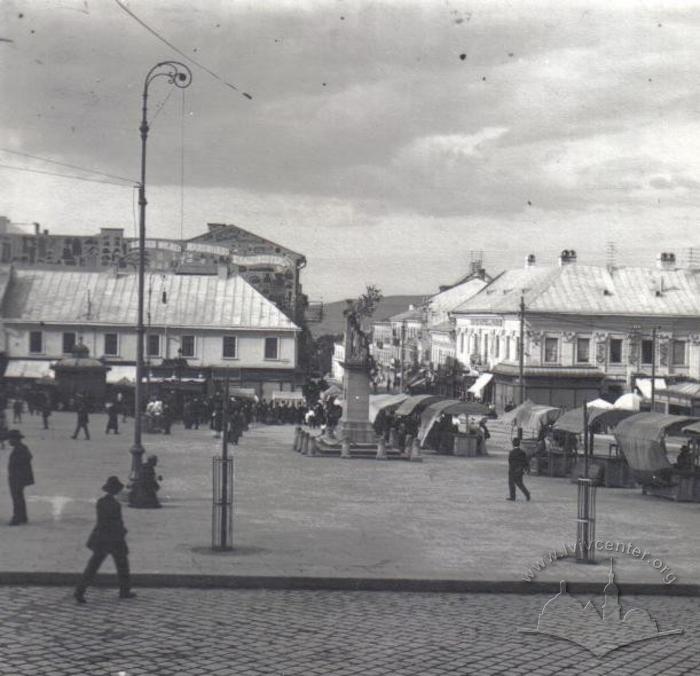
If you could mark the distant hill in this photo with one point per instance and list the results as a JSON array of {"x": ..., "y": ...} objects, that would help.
[{"x": 333, "y": 322}]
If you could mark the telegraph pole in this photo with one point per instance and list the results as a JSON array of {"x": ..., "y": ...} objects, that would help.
[
  {"x": 521, "y": 355},
  {"x": 403, "y": 358},
  {"x": 653, "y": 368}
]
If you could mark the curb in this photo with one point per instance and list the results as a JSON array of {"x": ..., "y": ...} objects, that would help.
[{"x": 176, "y": 581}]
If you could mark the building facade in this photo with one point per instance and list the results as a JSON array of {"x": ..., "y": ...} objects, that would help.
[
  {"x": 219, "y": 324},
  {"x": 588, "y": 330}
]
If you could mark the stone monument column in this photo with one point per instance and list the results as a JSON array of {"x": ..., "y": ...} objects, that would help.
[{"x": 354, "y": 425}]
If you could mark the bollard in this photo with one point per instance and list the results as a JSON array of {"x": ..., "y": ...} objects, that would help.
[
  {"x": 381, "y": 449},
  {"x": 585, "y": 523},
  {"x": 408, "y": 443},
  {"x": 415, "y": 455},
  {"x": 297, "y": 437},
  {"x": 393, "y": 438},
  {"x": 345, "y": 449},
  {"x": 305, "y": 443}
]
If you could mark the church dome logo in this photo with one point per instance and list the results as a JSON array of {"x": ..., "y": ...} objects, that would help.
[{"x": 600, "y": 632}]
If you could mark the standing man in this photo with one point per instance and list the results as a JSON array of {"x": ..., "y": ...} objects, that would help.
[
  {"x": 17, "y": 408},
  {"x": 83, "y": 419},
  {"x": 45, "y": 411},
  {"x": 518, "y": 464},
  {"x": 20, "y": 475},
  {"x": 112, "y": 418},
  {"x": 108, "y": 538}
]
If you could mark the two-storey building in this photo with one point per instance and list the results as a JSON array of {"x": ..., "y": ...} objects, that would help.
[
  {"x": 587, "y": 330},
  {"x": 217, "y": 323}
]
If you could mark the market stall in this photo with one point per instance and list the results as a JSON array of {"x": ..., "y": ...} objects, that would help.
[
  {"x": 417, "y": 403},
  {"x": 643, "y": 438},
  {"x": 448, "y": 438},
  {"x": 384, "y": 402},
  {"x": 532, "y": 419}
]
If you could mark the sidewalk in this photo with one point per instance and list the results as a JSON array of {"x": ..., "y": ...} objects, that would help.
[{"x": 443, "y": 519}]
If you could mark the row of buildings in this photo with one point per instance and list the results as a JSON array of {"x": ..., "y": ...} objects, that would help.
[
  {"x": 587, "y": 331},
  {"x": 225, "y": 303}
]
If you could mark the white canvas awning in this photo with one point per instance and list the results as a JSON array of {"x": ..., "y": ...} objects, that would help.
[
  {"x": 291, "y": 397},
  {"x": 644, "y": 386},
  {"x": 121, "y": 374},
  {"x": 481, "y": 382},
  {"x": 28, "y": 368}
]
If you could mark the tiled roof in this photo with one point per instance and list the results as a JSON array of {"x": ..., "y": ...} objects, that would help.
[
  {"x": 443, "y": 327},
  {"x": 587, "y": 289},
  {"x": 448, "y": 300},
  {"x": 196, "y": 301}
]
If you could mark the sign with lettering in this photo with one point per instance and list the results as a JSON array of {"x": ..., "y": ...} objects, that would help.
[{"x": 486, "y": 321}]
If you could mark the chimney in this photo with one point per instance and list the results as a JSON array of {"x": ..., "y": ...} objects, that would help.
[
  {"x": 666, "y": 261},
  {"x": 4, "y": 223},
  {"x": 37, "y": 228},
  {"x": 530, "y": 261},
  {"x": 567, "y": 257},
  {"x": 215, "y": 226},
  {"x": 222, "y": 271},
  {"x": 411, "y": 307}
]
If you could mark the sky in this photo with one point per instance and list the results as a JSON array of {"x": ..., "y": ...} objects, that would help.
[{"x": 386, "y": 141}]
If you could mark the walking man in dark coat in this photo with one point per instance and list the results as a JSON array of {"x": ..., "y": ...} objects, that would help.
[
  {"x": 108, "y": 538},
  {"x": 20, "y": 475},
  {"x": 112, "y": 418},
  {"x": 83, "y": 419},
  {"x": 518, "y": 464}
]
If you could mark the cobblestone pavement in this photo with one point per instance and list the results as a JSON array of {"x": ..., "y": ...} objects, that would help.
[{"x": 288, "y": 633}]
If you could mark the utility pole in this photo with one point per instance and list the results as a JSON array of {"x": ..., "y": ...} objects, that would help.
[
  {"x": 521, "y": 355},
  {"x": 402, "y": 355},
  {"x": 653, "y": 369},
  {"x": 225, "y": 488}
]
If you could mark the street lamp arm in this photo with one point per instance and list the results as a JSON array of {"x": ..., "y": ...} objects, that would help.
[{"x": 178, "y": 74}]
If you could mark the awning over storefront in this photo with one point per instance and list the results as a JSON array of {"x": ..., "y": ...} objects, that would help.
[
  {"x": 289, "y": 397},
  {"x": 417, "y": 402},
  {"x": 384, "y": 402},
  {"x": 120, "y": 374},
  {"x": 29, "y": 368},
  {"x": 447, "y": 407},
  {"x": 644, "y": 386},
  {"x": 481, "y": 382},
  {"x": 598, "y": 418},
  {"x": 640, "y": 438}
]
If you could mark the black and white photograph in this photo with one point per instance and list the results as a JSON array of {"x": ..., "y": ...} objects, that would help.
[{"x": 349, "y": 337}]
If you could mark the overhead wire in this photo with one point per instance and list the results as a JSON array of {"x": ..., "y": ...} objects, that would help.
[
  {"x": 66, "y": 164},
  {"x": 157, "y": 35},
  {"x": 55, "y": 173}
]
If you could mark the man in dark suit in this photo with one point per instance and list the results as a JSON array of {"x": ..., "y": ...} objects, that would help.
[
  {"x": 518, "y": 464},
  {"x": 108, "y": 538},
  {"x": 19, "y": 475},
  {"x": 83, "y": 419}
]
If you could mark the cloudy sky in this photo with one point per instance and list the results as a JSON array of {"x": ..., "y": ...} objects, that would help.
[{"x": 384, "y": 140}]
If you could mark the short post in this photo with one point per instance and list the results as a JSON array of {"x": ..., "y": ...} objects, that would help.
[
  {"x": 313, "y": 445},
  {"x": 305, "y": 443},
  {"x": 222, "y": 508},
  {"x": 381, "y": 449},
  {"x": 393, "y": 438},
  {"x": 408, "y": 444},
  {"x": 415, "y": 455},
  {"x": 297, "y": 436},
  {"x": 585, "y": 523},
  {"x": 345, "y": 449}
]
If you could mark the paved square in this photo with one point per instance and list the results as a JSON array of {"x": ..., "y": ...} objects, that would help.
[{"x": 444, "y": 518}]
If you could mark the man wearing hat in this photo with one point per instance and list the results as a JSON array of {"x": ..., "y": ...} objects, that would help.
[
  {"x": 20, "y": 475},
  {"x": 518, "y": 464},
  {"x": 108, "y": 537}
]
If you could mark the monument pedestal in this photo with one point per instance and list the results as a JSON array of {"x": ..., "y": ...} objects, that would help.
[
  {"x": 356, "y": 432},
  {"x": 355, "y": 426}
]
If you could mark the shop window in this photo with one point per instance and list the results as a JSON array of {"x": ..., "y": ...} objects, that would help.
[{"x": 153, "y": 345}]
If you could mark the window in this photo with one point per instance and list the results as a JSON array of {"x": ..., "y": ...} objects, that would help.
[
  {"x": 583, "y": 350},
  {"x": 461, "y": 342},
  {"x": 230, "y": 347},
  {"x": 616, "y": 350},
  {"x": 496, "y": 347},
  {"x": 647, "y": 351},
  {"x": 187, "y": 346},
  {"x": 36, "y": 342},
  {"x": 111, "y": 344},
  {"x": 271, "y": 348},
  {"x": 507, "y": 354},
  {"x": 678, "y": 353},
  {"x": 486, "y": 346},
  {"x": 153, "y": 345},
  {"x": 68, "y": 342},
  {"x": 551, "y": 350}
]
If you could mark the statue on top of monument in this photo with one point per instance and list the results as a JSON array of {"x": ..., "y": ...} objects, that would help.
[{"x": 356, "y": 340}]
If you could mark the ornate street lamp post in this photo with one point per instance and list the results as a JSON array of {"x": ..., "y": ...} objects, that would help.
[{"x": 179, "y": 75}]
